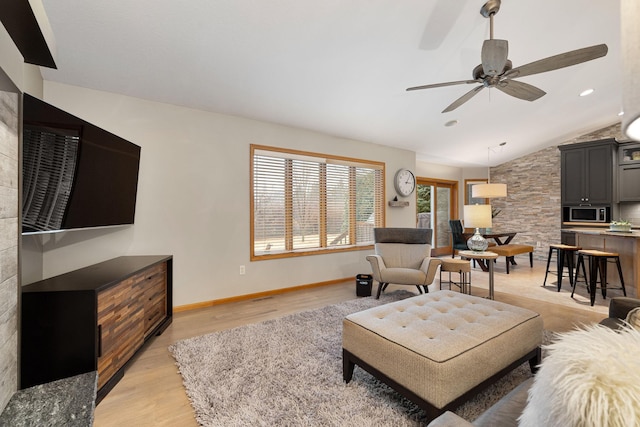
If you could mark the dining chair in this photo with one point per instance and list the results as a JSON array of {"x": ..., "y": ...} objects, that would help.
[{"x": 458, "y": 241}]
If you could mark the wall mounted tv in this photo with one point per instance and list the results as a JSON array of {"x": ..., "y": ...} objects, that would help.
[{"x": 75, "y": 175}]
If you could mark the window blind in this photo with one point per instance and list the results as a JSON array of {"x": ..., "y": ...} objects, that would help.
[{"x": 306, "y": 202}]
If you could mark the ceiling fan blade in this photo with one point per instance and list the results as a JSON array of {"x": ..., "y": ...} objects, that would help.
[
  {"x": 494, "y": 56},
  {"x": 559, "y": 61},
  {"x": 464, "y": 98},
  {"x": 460, "y": 82},
  {"x": 520, "y": 90}
]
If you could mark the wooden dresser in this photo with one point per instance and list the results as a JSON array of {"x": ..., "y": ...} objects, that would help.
[{"x": 94, "y": 319}]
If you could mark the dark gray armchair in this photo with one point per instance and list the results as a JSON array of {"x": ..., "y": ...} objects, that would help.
[{"x": 619, "y": 307}]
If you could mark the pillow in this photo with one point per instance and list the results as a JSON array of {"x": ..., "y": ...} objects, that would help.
[
  {"x": 589, "y": 377},
  {"x": 633, "y": 318}
]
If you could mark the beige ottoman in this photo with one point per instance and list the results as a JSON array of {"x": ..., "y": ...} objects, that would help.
[{"x": 439, "y": 349}]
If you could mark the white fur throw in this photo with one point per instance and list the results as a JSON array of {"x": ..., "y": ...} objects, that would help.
[
  {"x": 633, "y": 318},
  {"x": 589, "y": 377}
]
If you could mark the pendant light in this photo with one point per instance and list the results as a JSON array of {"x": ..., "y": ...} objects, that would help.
[{"x": 489, "y": 190}]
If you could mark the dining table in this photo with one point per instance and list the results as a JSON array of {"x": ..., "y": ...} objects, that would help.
[{"x": 498, "y": 236}]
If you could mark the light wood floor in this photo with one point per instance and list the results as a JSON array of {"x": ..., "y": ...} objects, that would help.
[{"x": 151, "y": 392}]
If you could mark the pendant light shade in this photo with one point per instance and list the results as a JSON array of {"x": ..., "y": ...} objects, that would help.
[
  {"x": 630, "y": 50},
  {"x": 487, "y": 191}
]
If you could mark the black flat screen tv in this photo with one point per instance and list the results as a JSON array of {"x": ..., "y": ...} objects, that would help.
[{"x": 75, "y": 175}]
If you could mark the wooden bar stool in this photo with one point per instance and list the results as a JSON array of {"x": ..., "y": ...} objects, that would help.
[
  {"x": 598, "y": 261},
  {"x": 460, "y": 266},
  {"x": 564, "y": 256}
]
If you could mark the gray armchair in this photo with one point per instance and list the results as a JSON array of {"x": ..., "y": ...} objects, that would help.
[
  {"x": 619, "y": 307},
  {"x": 403, "y": 257}
]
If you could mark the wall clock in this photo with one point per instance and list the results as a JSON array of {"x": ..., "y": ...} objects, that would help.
[{"x": 405, "y": 182}]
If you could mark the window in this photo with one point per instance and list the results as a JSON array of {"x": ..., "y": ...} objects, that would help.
[
  {"x": 437, "y": 204},
  {"x": 468, "y": 197},
  {"x": 303, "y": 203}
]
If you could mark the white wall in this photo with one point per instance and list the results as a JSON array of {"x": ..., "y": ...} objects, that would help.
[{"x": 193, "y": 197}]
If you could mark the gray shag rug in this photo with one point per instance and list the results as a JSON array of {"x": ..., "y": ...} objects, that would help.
[{"x": 288, "y": 372}]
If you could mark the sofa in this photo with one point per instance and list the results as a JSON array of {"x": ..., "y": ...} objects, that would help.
[
  {"x": 619, "y": 309},
  {"x": 581, "y": 354}
]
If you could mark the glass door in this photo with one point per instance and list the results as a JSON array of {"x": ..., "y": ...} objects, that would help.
[{"x": 437, "y": 204}]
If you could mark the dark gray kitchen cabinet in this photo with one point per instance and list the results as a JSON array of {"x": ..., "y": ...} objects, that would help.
[
  {"x": 629, "y": 153},
  {"x": 629, "y": 185},
  {"x": 629, "y": 172},
  {"x": 587, "y": 176}
]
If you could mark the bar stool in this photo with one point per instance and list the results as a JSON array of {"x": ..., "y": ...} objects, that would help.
[
  {"x": 598, "y": 261},
  {"x": 460, "y": 266},
  {"x": 564, "y": 256}
]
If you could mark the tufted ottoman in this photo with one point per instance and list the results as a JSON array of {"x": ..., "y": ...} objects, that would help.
[{"x": 439, "y": 349}]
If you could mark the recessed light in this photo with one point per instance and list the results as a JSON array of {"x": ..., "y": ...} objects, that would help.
[
  {"x": 586, "y": 92},
  {"x": 621, "y": 113},
  {"x": 451, "y": 123}
]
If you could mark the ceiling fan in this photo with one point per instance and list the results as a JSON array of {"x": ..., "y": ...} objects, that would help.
[{"x": 497, "y": 71}]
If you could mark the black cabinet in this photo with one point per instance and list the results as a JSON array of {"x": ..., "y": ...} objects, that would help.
[
  {"x": 629, "y": 153},
  {"x": 568, "y": 238},
  {"x": 587, "y": 173},
  {"x": 94, "y": 319},
  {"x": 629, "y": 187},
  {"x": 629, "y": 172}
]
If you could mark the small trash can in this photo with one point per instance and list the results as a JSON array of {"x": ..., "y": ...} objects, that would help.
[{"x": 363, "y": 285}]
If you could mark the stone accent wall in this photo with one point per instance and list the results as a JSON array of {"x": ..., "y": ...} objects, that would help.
[
  {"x": 8, "y": 246},
  {"x": 613, "y": 131},
  {"x": 533, "y": 205}
]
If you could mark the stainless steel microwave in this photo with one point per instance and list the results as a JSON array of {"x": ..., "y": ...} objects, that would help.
[{"x": 589, "y": 214}]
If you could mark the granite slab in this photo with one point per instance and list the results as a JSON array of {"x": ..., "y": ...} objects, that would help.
[{"x": 68, "y": 402}]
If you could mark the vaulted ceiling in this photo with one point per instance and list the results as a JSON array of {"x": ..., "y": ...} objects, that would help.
[{"x": 342, "y": 67}]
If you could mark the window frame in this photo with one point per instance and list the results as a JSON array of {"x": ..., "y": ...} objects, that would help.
[
  {"x": 379, "y": 208},
  {"x": 468, "y": 184}
]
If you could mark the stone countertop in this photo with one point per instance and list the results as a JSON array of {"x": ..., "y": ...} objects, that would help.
[
  {"x": 603, "y": 231},
  {"x": 66, "y": 402}
]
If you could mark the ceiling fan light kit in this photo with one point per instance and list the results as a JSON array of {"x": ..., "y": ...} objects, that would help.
[{"x": 496, "y": 70}]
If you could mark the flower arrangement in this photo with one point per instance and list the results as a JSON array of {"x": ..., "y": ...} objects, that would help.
[
  {"x": 620, "y": 222},
  {"x": 620, "y": 225}
]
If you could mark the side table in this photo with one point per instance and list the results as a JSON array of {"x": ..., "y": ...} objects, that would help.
[
  {"x": 488, "y": 257},
  {"x": 460, "y": 266}
]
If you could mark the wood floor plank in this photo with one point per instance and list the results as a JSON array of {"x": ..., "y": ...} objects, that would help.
[{"x": 151, "y": 392}]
